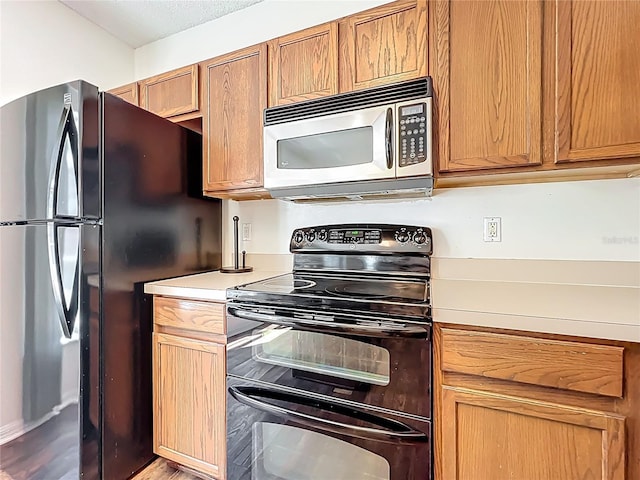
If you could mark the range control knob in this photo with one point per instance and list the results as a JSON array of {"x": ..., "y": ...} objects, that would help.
[
  {"x": 322, "y": 235},
  {"x": 419, "y": 238},
  {"x": 298, "y": 237},
  {"x": 402, "y": 236},
  {"x": 311, "y": 236}
]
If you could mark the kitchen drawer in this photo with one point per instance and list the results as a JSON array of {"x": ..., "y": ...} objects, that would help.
[
  {"x": 206, "y": 317},
  {"x": 567, "y": 365}
]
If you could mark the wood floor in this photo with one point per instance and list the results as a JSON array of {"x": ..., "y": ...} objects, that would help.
[{"x": 161, "y": 470}]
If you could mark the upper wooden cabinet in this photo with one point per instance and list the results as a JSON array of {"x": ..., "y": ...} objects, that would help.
[
  {"x": 384, "y": 45},
  {"x": 597, "y": 90},
  {"x": 487, "y": 75},
  {"x": 235, "y": 97},
  {"x": 172, "y": 93},
  {"x": 127, "y": 92},
  {"x": 304, "y": 65}
]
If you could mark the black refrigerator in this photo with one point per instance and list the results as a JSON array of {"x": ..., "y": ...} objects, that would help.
[{"x": 97, "y": 197}]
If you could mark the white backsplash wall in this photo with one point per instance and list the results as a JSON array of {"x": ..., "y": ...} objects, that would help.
[
  {"x": 585, "y": 220},
  {"x": 45, "y": 43}
]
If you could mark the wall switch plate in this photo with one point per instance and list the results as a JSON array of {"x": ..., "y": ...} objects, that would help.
[
  {"x": 246, "y": 231},
  {"x": 492, "y": 229}
]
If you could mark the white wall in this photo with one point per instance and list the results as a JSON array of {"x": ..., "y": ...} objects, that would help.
[
  {"x": 44, "y": 43},
  {"x": 586, "y": 220},
  {"x": 255, "y": 24}
]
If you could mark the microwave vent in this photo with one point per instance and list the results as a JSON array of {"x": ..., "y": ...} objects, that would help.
[{"x": 388, "y": 94}]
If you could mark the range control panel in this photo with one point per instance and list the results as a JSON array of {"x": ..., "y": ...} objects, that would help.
[{"x": 363, "y": 238}]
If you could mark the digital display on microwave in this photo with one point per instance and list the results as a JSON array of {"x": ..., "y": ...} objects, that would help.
[
  {"x": 354, "y": 233},
  {"x": 413, "y": 109}
]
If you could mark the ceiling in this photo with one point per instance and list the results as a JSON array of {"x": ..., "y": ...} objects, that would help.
[{"x": 138, "y": 22}]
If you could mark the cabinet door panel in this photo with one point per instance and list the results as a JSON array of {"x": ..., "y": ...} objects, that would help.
[
  {"x": 384, "y": 45},
  {"x": 498, "y": 437},
  {"x": 127, "y": 92},
  {"x": 189, "y": 403},
  {"x": 236, "y": 89},
  {"x": 304, "y": 65},
  {"x": 487, "y": 78},
  {"x": 172, "y": 93},
  {"x": 598, "y": 78}
]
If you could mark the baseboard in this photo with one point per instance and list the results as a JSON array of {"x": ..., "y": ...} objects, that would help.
[
  {"x": 15, "y": 429},
  {"x": 11, "y": 430}
]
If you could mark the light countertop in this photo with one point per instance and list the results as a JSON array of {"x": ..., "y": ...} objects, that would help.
[
  {"x": 592, "y": 299},
  {"x": 206, "y": 286}
]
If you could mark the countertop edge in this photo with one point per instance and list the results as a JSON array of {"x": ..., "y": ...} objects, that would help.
[{"x": 559, "y": 326}]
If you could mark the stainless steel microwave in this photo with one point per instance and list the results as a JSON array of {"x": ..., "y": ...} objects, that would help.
[{"x": 370, "y": 142}]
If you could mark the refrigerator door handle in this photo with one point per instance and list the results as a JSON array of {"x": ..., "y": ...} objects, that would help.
[
  {"x": 66, "y": 314},
  {"x": 66, "y": 127}
]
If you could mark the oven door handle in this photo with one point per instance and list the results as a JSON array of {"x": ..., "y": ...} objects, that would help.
[
  {"x": 397, "y": 432},
  {"x": 378, "y": 331}
]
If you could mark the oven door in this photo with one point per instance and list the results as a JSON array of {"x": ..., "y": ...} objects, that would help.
[
  {"x": 358, "y": 358},
  {"x": 343, "y": 147},
  {"x": 274, "y": 434}
]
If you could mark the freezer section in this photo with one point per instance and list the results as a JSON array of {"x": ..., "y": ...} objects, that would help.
[{"x": 49, "y": 151}]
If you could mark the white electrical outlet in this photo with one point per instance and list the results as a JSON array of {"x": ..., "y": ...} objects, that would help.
[
  {"x": 492, "y": 229},
  {"x": 246, "y": 231}
]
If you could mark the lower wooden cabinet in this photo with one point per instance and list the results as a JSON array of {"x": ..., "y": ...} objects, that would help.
[
  {"x": 519, "y": 405},
  {"x": 189, "y": 422},
  {"x": 494, "y": 436}
]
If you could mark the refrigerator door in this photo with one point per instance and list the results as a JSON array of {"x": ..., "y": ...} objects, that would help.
[
  {"x": 46, "y": 387},
  {"x": 49, "y": 151},
  {"x": 155, "y": 225}
]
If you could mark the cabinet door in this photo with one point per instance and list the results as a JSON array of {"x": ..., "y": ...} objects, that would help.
[
  {"x": 127, "y": 92},
  {"x": 236, "y": 95},
  {"x": 384, "y": 45},
  {"x": 304, "y": 65},
  {"x": 492, "y": 437},
  {"x": 172, "y": 93},
  {"x": 597, "y": 80},
  {"x": 486, "y": 67},
  {"x": 189, "y": 418}
]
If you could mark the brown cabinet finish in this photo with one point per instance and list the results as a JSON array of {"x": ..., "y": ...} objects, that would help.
[
  {"x": 574, "y": 366},
  {"x": 487, "y": 73},
  {"x": 506, "y": 406},
  {"x": 189, "y": 404},
  {"x": 171, "y": 93},
  {"x": 494, "y": 437},
  {"x": 205, "y": 317},
  {"x": 384, "y": 45},
  {"x": 597, "y": 79},
  {"x": 127, "y": 92},
  {"x": 304, "y": 65},
  {"x": 236, "y": 95}
]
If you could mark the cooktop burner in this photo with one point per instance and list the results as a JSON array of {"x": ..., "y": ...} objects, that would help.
[
  {"x": 334, "y": 291},
  {"x": 374, "y": 268}
]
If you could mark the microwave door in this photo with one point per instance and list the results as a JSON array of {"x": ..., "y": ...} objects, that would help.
[{"x": 348, "y": 146}]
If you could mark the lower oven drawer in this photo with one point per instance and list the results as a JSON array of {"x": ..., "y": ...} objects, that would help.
[
  {"x": 384, "y": 364},
  {"x": 275, "y": 434}
]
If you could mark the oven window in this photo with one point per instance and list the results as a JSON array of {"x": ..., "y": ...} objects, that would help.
[
  {"x": 327, "y": 150},
  {"x": 284, "y": 452},
  {"x": 323, "y": 354}
]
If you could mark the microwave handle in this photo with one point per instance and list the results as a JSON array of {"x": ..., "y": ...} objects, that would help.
[{"x": 388, "y": 135}]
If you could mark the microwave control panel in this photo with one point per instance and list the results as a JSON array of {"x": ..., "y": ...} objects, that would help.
[{"x": 412, "y": 139}]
